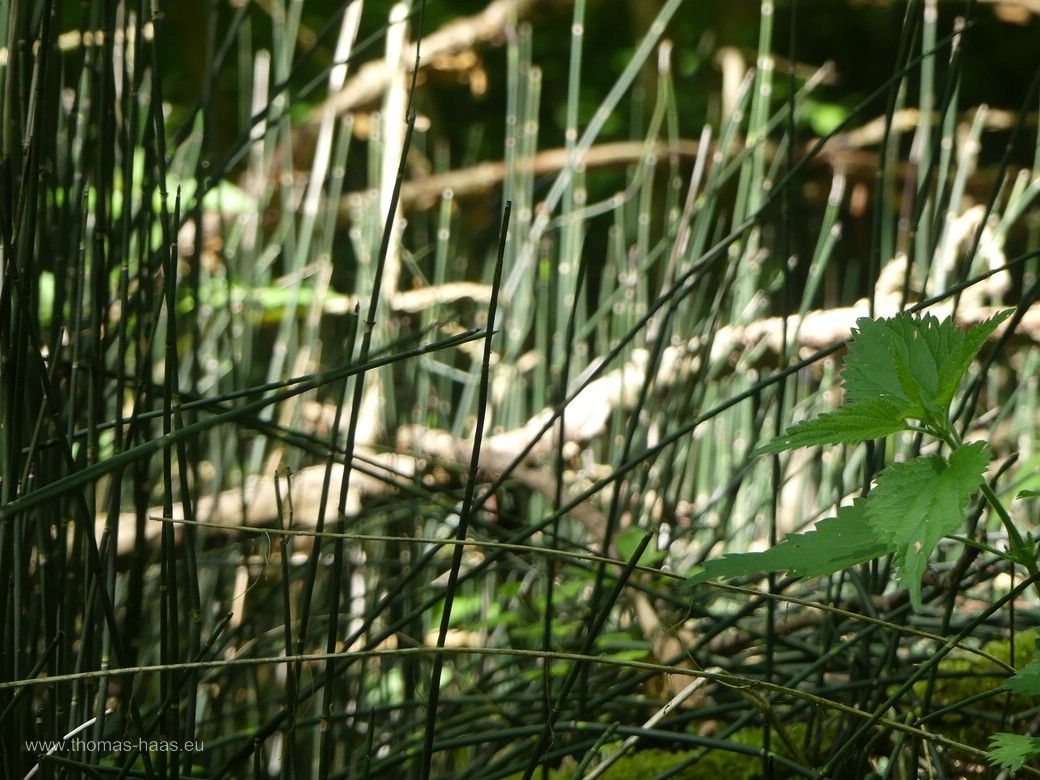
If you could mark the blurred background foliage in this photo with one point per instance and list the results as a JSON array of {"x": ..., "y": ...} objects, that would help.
[
  {"x": 647, "y": 290},
  {"x": 465, "y": 107}
]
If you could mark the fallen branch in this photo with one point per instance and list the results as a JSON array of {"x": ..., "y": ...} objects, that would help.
[
  {"x": 255, "y": 504},
  {"x": 484, "y": 176},
  {"x": 848, "y": 152},
  {"x": 585, "y": 420},
  {"x": 372, "y": 78},
  {"x": 588, "y": 415}
]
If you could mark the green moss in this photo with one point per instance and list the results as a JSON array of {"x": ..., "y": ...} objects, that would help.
[
  {"x": 714, "y": 765},
  {"x": 964, "y": 676}
]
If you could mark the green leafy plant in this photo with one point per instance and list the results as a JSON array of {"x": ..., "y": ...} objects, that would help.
[
  {"x": 901, "y": 374},
  {"x": 1012, "y": 751}
]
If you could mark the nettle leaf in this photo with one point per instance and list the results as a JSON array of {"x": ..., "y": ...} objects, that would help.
[
  {"x": 1011, "y": 751},
  {"x": 897, "y": 368},
  {"x": 836, "y": 543},
  {"x": 1026, "y": 680},
  {"x": 922, "y": 396},
  {"x": 969, "y": 347},
  {"x": 917, "y": 503},
  {"x": 922, "y": 345},
  {"x": 848, "y": 425},
  {"x": 913, "y": 362},
  {"x": 871, "y": 366}
]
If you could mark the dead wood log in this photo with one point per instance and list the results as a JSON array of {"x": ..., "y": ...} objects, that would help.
[{"x": 372, "y": 78}]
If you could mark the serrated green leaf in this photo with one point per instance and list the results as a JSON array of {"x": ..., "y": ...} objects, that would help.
[
  {"x": 847, "y": 425},
  {"x": 835, "y": 544},
  {"x": 1011, "y": 751},
  {"x": 967, "y": 348},
  {"x": 871, "y": 369},
  {"x": 924, "y": 343},
  {"x": 913, "y": 362},
  {"x": 917, "y": 503},
  {"x": 924, "y": 400},
  {"x": 909, "y": 384},
  {"x": 1026, "y": 680}
]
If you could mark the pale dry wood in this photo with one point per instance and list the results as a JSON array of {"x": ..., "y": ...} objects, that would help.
[
  {"x": 906, "y": 119},
  {"x": 496, "y": 455},
  {"x": 372, "y": 79},
  {"x": 422, "y": 298},
  {"x": 255, "y": 504},
  {"x": 417, "y": 300},
  {"x": 848, "y": 151},
  {"x": 588, "y": 415},
  {"x": 484, "y": 176},
  {"x": 666, "y": 644},
  {"x": 586, "y": 418}
]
